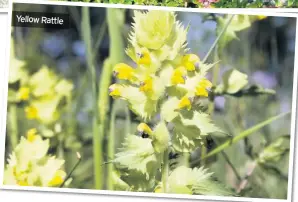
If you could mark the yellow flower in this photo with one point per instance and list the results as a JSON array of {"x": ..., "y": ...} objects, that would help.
[
  {"x": 158, "y": 189},
  {"x": 190, "y": 62},
  {"x": 23, "y": 183},
  {"x": 144, "y": 130},
  {"x": 31, "y": 112},
  {"x": 201, "y": 89},
  {"x": 261, "y": 17},
  {"x": 185, "y": 102},
  {"x": 178, "y": 76},
  {"x": 31, "y": 135},
  {"x": 23, "y": 93},
  {"x": 58, "y": 178},
  {"x": 143, "y": 57},
  {"x": 205, "y": 83},
  {"x": 114, "y": 90},
  {"x": 124, "y": 71},
  {"x": 147, "y": 85}
]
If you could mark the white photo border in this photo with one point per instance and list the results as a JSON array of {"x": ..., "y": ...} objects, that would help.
[{"x": 245, "y": 11}]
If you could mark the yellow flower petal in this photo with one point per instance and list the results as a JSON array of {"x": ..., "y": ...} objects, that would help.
[
  {"x": 124, "y": 72},
  {"x": 31, "y": 135},
  {"x": 23, "y": 183},
  {"x": 205, "y": 83},
  {"x": 201, "y": 91},
  {"x": 58, "y": 178},
  {"x": 147, "y": 85},
  {"x": 144, "y": 128},
  {"x": 261, "y": 17},
  {"x": 31, "y": 112},
  {"x": 185, "y": 102},
  {"x": 178, "y": 76},
  {"x": 144, "y": 57},
  {"x": 23, "y": 93},
  {"x": 190, "y": 61},
  {"x": 115, "y": 90}
]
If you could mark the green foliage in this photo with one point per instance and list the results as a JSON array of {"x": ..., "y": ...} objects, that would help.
[
  {"x": 233, "y": 82},
  {"x": 239, "y": 23},
  {"x": 274, "y": 151},
  {"x": 137, "y": 154},
  {"x": 195, "y": 181}
]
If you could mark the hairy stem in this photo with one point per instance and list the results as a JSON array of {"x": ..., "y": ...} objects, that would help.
[
  {"x": 111, "y": 145},
  {"x": 217, "y": 39},
  {"x": 215, "y": 75},
  {"x": 13, "y": 125},
  {"x": 244, "y": 134},
  {"x": 97, "y": 137},
  {"x": 115, "y": 21},
  {"x": 165, "y": 170}
]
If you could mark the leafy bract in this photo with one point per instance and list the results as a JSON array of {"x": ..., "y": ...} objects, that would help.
[
  {"x": 138, "y": 102},
  {"x": 137, "y": 154},
  {"x": 190, "y": 130},
  {"x": 161, "y": 137},
  {"x": 195, "y": 181},
  {"x": 233, "y": 81},
  {"x": 274, "y": 151}
]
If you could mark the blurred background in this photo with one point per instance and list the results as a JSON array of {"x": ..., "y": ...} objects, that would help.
[{"x": 264, "y": 51}]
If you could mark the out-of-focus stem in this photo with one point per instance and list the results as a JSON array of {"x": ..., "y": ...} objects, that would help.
[
  {"x": 97, "y": 137},
  {"x": 215, "y": 74},
  {"x": 13, "y": 125},
  {"x": 115, "y": 21},
  {"x": 165, "y": 170},
  {"x": 111, "y": 144}
]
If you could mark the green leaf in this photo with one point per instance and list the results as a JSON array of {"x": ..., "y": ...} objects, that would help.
[
  {"x": 274, "y": 151},
  {"x": 137, "y": 154},
  {"x": 138, "y": 181},
  {"x": 196, "y": 181},
  {"x": 191, "y": 129},
  {"x": 161, "y": 137},
  {"x": 253, "y": 90},
  {"x": 118, "y": 183},
  {"x": 238, "y": 23},
  {"x": 200, "y": 120},
  {"x": 168, "y": 109},
  {"x": 233, "y": 81},
  {"x": 139, "y": 103},
  {"x": 244, "y": 134}
]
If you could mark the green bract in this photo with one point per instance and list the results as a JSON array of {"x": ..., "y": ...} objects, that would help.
[{"x": 196, "y": 181}]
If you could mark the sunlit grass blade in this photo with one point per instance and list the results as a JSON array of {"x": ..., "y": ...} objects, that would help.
[
  {"x": 243, "y": 134},
  {"x": 217, "y": 39}
]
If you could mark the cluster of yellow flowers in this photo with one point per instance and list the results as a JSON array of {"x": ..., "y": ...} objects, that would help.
[
  {"x": 163, "y": 65},
  {"x": 29, "y": 164}
]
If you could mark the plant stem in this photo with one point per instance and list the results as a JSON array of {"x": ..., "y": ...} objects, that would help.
[
  {"x": 165, "y": 170},
  {"x": 217, "y": 38},
  {"x": 111, "y": 146},
  {"x": 115, "y": 21},
  {"x": 73, "y": 169},
  {"x": 13, "y": 125},
  {"x": 215, "y": 75},
  {"x": 244, "y": 134},
  {"x": 97, "y": 138}
]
